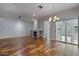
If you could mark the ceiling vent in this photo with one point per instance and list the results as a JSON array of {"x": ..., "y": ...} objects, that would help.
[{"x": 40, "y": 6}]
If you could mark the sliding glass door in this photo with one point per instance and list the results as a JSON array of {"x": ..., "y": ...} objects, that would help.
[
  {"x": 60, "y": 31},
  {"x": 67, "y": 31},
  {"x": 72, "y": 31}
]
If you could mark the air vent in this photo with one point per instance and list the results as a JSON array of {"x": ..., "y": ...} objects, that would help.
[{"x": 40, "y": 6}]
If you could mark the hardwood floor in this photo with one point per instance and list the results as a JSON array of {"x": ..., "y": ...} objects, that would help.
[
  {"x": 27, "y": 46},
  {"x": 67, "y": 49}
]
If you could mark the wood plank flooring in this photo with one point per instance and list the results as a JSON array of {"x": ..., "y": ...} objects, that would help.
[{"x": 27, "y": 46}]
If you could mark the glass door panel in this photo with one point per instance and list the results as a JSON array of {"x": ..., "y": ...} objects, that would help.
[
  {"x": 60, "y": 31},
  {"x": 62, "y": 26},
  {"x": 72, "y": 31},
  {"x": 69, "y": 30}
]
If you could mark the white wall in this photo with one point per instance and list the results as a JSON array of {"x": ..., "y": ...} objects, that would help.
[
  {"x": 52, "y": 28},
  {"x": 14, "y": 28}
]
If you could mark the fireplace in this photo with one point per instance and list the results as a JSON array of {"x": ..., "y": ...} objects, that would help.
[
  {"x": 33, "y": 33},
  {"x": 36, "y": 33}
]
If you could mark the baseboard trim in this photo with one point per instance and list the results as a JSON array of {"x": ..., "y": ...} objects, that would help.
[
  {"x": 67, "y": 43},
  {"x": 14, "y": 37}
]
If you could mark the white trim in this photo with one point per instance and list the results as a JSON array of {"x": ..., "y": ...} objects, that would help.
[{"x": 12, "y": 36}]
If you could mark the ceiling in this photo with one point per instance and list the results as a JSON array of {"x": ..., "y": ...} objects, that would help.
[{"x": 28, "y": 9}]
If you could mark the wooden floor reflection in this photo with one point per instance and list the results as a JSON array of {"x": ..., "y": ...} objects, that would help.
[
  {"x": 27, "y": 46},
  {"x": 65, "y": 49}
]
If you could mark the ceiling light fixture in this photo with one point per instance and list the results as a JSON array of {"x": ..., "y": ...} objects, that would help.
[
  {"x": 34, "y": 15},
  {"x": 50, "y": 19},
  {"x": 20, "y": 17},
  {"x": 54, "y": 18},
  {"x": 33, "y": 19},
  {"x": 58, "y": 19}
]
